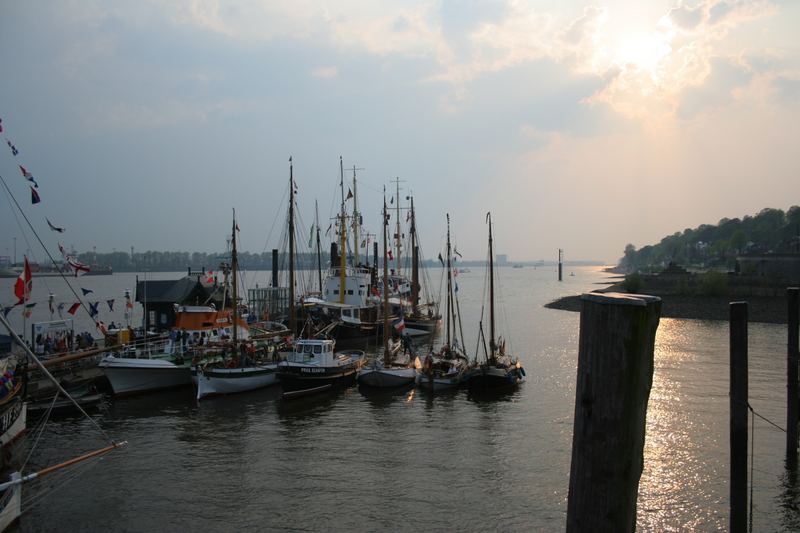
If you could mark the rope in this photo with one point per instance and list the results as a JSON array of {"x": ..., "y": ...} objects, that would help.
[
  {"x": 765, "y": 419},
  {"x": 40, "y": 430}
]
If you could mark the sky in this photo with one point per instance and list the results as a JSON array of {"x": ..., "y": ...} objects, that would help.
[{"x": 581, "y": 126}]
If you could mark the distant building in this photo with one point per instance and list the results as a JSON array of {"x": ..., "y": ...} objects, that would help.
[
  {"x": 501, "y": 259},
  {"x": 160, "y": 297},
  {"x": 779, "y": 268}
]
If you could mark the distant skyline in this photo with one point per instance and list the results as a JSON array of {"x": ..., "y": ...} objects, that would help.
[{"x": 581, "y": 126}]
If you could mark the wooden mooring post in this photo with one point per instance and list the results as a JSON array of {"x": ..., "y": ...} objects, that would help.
[
  {"x": 738, "y": 416},
  {"x": 792, "y": 397},
  {"x": 615, "y": 374}
]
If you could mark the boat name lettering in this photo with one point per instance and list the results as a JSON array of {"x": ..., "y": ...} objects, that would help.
[{"x": 312, "y": 370}]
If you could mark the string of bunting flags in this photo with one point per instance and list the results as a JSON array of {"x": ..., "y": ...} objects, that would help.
[{"x": 24, "y": 284}]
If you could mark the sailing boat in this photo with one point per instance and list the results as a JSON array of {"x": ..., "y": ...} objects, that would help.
[
  {"x": 499, "y": 369},
  {"x": 390, "y": 372},
  {"x": 419, "y": 319},
  {"x": 246, "y": 367},
  {"x": 447, "y": 368}
]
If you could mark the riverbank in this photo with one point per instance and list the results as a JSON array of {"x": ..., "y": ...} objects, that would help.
[{"x": 760, "y": 309}]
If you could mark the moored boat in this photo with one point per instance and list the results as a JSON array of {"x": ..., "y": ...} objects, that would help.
[
  {"x": 313, "y": 367},
  {"x": 500, "y": 369}
]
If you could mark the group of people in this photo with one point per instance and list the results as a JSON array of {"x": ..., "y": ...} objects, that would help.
[{"x": 63, "y": 342}]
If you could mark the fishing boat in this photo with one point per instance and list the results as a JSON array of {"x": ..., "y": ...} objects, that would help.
[
  {"x": 313, "y": 366},
  {"x": 389, "y": 371},
  {"x": 446, "y": 368},
  {"x": 245, "y": 366},
  {"x": 500, "y": 369},
  {"x": 347, "y": 309}
]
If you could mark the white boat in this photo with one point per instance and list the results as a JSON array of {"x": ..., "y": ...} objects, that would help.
[
  {"x": 166, "y": 363},
  {"x": 131, "y": 375}
]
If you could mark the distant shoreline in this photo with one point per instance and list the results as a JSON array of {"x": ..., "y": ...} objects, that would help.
[{"x": 771, "y": 310}]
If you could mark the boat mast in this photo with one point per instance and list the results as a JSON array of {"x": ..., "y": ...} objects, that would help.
[
  {"x": 234, "y": 268},
  {"x": 449, "y": 281},
  {"x": 342, "y": 240},
  {"x": 319, "y": 250},
  {"x": 292, "y": 317},
  {"x": 355, "y": 219},
  {"x": 386, "y": 358},
  {"x": 397, "y": 235},
  {"x": 414, "y": 263},
  {"x": 492, "y": 345}
]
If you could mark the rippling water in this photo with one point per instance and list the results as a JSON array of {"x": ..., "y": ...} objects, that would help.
[{"x": 410, "y": 461}]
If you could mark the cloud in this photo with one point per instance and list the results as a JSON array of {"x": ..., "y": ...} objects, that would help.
[
  {"x": 725, "y": 76},
  {"x": 325, "y": 72}
]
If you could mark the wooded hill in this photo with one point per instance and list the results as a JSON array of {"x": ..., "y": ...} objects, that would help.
[{"x": 717, "y": 246}]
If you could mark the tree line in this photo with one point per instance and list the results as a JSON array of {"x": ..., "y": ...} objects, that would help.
[{"x": 717, "y": 246}]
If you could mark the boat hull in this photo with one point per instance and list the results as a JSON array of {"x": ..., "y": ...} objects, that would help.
[
  {"x": 487, "y": 377},
  {"x": 13, "y": 421},
  {"x": 134, "y": 376},
  {"x": 215, "y": 381},
  {"x": 300, "y": 380},
  {"x": 432, "y": 381},
  {"x": 386, "y": 377}
]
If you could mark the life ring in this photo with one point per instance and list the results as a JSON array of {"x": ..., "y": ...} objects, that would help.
[{"x": 232, "y": 363}]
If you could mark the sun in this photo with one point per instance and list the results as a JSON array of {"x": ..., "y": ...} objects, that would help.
[{"x": 642, "y": 50}]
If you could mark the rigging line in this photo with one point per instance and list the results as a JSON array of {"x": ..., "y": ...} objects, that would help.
[
  {"x": 71, "y": 288},
  {"x": 275, "y": 220},
  {"x": 765, "y": 419},
  {"x": 40, "y": 431},
  {"x": 66, "y": 478}
]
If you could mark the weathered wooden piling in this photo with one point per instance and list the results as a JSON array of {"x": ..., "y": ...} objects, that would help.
[
  {"x": 560, "y": 264},
  {"x": 615, "y": 374},
  {"x": 738, "y": 416},
  {"x": 792, "y": 399}
]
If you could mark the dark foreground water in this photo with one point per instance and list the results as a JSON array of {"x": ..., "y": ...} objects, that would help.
[{"x": 408, "y": 461}]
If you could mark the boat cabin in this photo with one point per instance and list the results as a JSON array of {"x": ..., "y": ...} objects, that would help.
[{"x": 312, "y": 351}]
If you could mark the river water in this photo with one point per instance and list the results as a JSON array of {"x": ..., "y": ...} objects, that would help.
[{"x": 409, "y": 461}]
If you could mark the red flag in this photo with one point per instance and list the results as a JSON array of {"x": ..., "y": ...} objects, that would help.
[
  {"x": 24, "y": 284},
  {"x": 391, "y": 258},
  {"x": 35, "y": 196},
  {"x": 210, "y": 278},
  {"x": 74, "y": 307}
]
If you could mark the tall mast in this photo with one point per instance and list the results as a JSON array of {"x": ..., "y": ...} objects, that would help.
[
  {"x": 292, "y": 318},
  {"x": 414, "y": 263},
  {"x": 355, "y": 219},
  {"x": 342, "y": 240},
  {"x": 397, "y": 235},
  {"x": 492, "y": 345},
  {"x": 386, "y": 359},
  {"x": 234, "y": 268},
  {"x": 449, "y": 281},
  {"x": 319, "y": 250}
]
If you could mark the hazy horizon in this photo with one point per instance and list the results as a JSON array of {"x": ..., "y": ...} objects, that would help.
[{"x": 582, "y": 126}]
